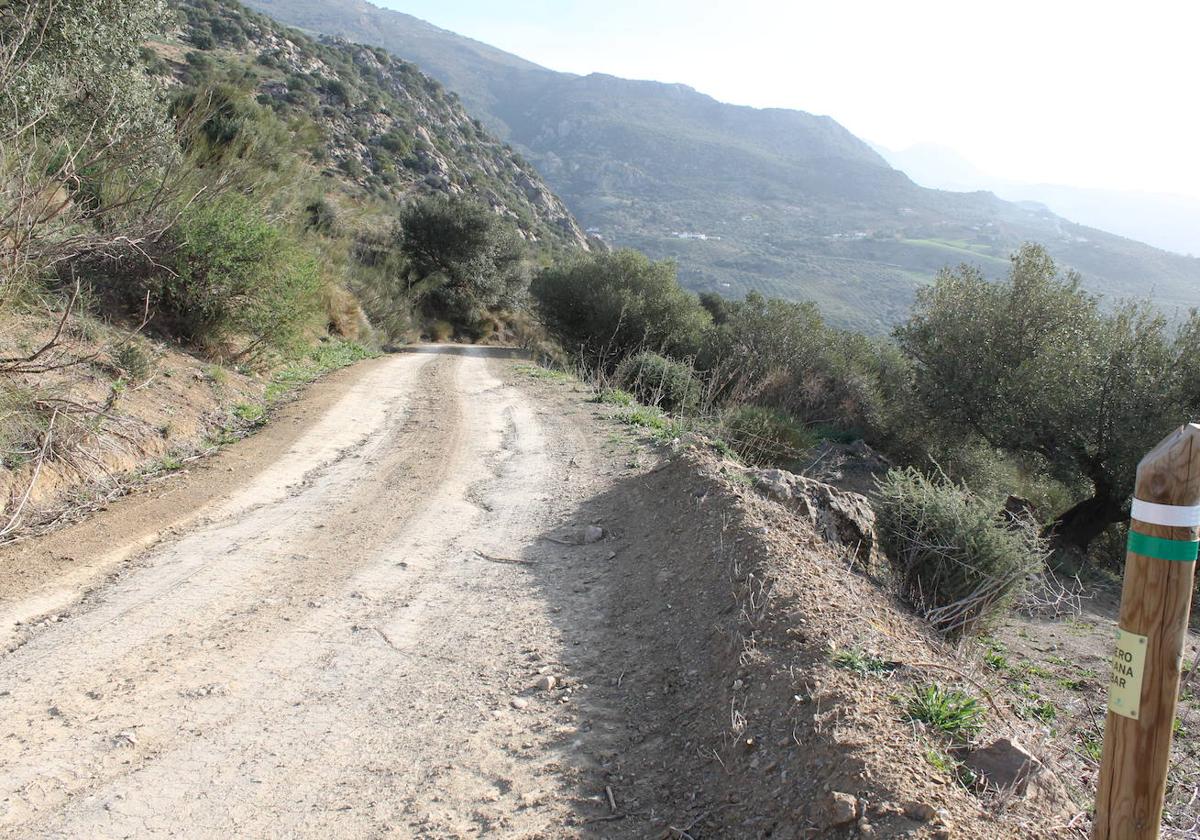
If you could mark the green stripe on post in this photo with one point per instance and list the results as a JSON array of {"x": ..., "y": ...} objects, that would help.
[{"x": 1184, "y": 551}]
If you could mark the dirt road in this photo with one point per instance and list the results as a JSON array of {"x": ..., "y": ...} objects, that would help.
[{"x": 346, "y": 646}]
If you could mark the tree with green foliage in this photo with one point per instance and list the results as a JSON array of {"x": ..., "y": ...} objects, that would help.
[
  {"x": 782, "y": 354},
  {"x": 608, "y": 305},
  {"x": 1036, "y": 367},
  {"x": 462, "y": 259},
  {"x": 74, "y": 66}
]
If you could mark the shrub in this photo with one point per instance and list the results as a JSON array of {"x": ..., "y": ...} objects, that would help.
[
  {"x": 955, "y": 559},
  {"x": 235, "y": 280},
  {"x": 657, "y": 380},
  {"x": 608, "y": 305},
  {"x": 462, "y": 260},
  {"x": 766, "y": 436},
  {"x": 321, "y": 215},
  {"x": 782, "y": 354},
  {"x": 132, "y": 361}
]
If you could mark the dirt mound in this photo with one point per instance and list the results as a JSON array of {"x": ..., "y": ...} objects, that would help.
[{"x": 722, "y": 628}]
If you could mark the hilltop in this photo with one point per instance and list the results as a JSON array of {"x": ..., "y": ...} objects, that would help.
[{"x": 785, "y": 202}]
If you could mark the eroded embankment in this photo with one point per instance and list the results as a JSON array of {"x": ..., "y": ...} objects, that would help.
[{"x": 721, "y": 628}]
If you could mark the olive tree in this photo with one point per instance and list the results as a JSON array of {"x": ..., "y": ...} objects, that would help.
[
  {"x": 462, "y": 259},
  {"x": 82, "y": 132},
  {"x": 607, "y": 305},
  {"x": 75, "y": 66},
  {"x": 1037, "y": 367}
]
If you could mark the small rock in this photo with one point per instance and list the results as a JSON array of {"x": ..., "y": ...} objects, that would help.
[
  {"x": 920, "y": 811},
  {"x": 545, "y": 682},
  {"x": 518, "y": 703},
  {"x": 837, "y": 809},
  {"x": 1004, "y": 764},
  {"x": 865, "y": 829},
  {"x": 592, "y": 534}
]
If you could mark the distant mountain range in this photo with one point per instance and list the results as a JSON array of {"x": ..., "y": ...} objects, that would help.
[
  {"x": 782, "y": 201},
  {"x": 1171, "y": 222}
]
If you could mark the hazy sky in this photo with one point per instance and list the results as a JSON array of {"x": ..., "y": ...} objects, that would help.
[{"x": 1096, "y": 93}]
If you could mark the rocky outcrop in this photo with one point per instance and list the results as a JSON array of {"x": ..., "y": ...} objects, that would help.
[
  {"x": 841, "y": 517},
  {"x": 385, "y": 127}
]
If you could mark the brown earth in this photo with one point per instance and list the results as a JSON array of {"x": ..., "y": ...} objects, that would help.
[
  {"x": 385, "y": 616},
  {"x": 106, "y": 424}
]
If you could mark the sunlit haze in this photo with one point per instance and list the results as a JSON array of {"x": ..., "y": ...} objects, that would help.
[{"x": 1098, "y": 94}]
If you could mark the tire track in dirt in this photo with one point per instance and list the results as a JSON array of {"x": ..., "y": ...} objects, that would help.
[{"x": 333, "y": 652}]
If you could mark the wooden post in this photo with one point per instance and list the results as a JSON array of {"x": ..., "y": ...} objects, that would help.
[{"x": 1155, "y": 602}]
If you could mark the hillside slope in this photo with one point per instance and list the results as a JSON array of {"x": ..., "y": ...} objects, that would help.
[
  {"x": 789, "y": 203},
  {"x": 384, "y": 129}
]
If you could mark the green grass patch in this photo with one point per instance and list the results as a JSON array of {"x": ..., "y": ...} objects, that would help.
[
  {"x": 1077, "y": 683},
  {"x": 223, "y": 436},
  {"x": 544, "y": 374},
  {"x": 721, "y": 446},
  {"x": 613, "y": 396},
  {"x": 947, "y": 710},
  {"x": 216, "y": 374},
  {"x": 940, "y": 761},
  {"x": 1037, "y": 671},
  {"x": 1043, "y": 710},
  {"x": 252, "y": 414},
  {"x": 321, "y": 360},
  {"x": 996, "y": 661},
  {"x": 661, "y": 427}
]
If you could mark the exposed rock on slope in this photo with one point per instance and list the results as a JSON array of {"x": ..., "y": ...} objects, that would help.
[
  {"x": 384, "y": 126},
  {"x": 842, "y": 518}
]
